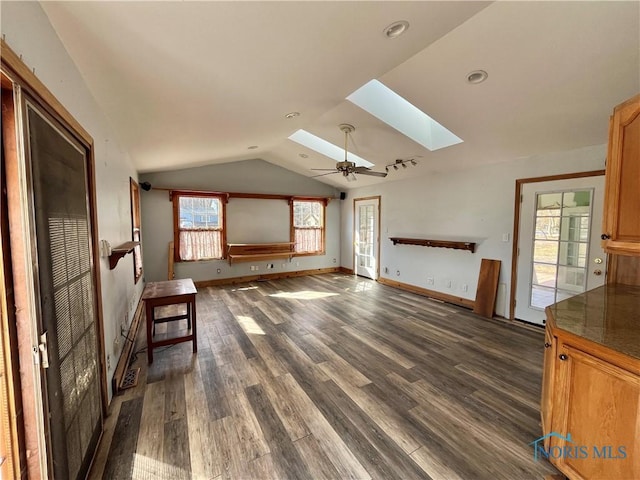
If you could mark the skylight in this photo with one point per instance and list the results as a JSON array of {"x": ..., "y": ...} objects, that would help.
[
  {"x": 385, "y": 104},
  {"x": 330, "y": 150}
]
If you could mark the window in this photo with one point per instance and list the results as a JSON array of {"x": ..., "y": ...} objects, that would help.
[
  {"x": 560, "y": 245},
  {"x": 308, "y": 218},
  {"x": 135, "y": 226},
  {"x": 199, "y": 226}
]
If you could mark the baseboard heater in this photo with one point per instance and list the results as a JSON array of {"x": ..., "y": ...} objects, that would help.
[{"x": 124, "y": 377}]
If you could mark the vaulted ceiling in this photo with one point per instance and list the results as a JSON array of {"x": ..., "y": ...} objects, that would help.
[{"x": 195, "y": 83}]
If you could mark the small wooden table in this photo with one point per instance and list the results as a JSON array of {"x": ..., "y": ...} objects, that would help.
[{"x": 170, "y": 292}]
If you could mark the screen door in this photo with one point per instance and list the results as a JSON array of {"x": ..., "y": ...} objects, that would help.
[{"x": 65, "y": 273}]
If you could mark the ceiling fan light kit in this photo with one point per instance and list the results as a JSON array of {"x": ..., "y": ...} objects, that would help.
[{"x": 346, "y": 167}]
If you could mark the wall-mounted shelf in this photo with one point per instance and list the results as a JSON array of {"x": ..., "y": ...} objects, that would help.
[
  {"x": 469, "y": 246},
  {"x": 119, "y": 252},
  {"x": 248, "y": 252}
]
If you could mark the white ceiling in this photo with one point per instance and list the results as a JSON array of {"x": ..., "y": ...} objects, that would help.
[{"x": 195, "y": 83}]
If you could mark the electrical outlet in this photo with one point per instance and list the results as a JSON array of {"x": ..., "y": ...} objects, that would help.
[
  {"x": 397, "y": 273},
  {"x": 334, "y": 260},
  {"x": 386, "y": 269},
  {"x": 465, "y": 287},
  {"x": 430, "y": 280},
  {"x": 219, "y": 270},
  {"x": 447, "y": 283},
  {"x": 108, "y": 362}
]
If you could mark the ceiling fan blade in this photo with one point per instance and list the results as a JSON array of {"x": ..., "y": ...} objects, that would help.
[
  {"x": 323, "y": 169},
  {"x": 323, "y": 174},
  {"x": 360, "y": 169},
  {"x": 372, "y": 173}
]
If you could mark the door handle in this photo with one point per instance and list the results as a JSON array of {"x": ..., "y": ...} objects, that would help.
[
  {"x": 597, "y": 272},
  {"x": 44, "y": 351}
]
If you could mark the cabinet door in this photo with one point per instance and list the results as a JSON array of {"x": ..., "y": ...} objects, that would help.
[
  {"x": 621, "y": 222},
  {"x": 598, "y": 410},
  {"x": 548, "y": 377}
]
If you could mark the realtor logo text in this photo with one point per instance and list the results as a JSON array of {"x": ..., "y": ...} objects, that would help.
[{"x": 602, "y": 452}]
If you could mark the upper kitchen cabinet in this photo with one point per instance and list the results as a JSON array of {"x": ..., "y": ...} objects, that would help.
[{"x": 621, "y": 219}]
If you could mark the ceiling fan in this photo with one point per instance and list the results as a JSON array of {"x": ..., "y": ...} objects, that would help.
[{"x": 346, "y": 168}]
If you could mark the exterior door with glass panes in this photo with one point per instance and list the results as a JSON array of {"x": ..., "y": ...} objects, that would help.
[
  {"x": 559, "y": 243},
  {"x": 367, "y": 232}
]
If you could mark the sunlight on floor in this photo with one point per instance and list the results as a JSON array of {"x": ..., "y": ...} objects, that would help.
[
  {"x": 363, "y": 286},
  {"x": 249, "y": 325},
  {"x": 304, "y": 295},
  {"x": 242, "y": 289},
  {"x": 145, "y": 468}
]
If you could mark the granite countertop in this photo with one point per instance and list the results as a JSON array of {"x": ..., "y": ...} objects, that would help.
[{"x": 608, "y": 315}]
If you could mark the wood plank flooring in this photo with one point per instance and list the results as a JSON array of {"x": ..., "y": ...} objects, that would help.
[{"x": 331, "y": 377}]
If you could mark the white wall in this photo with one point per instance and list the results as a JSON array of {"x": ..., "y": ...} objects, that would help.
[
  {"x": 250, "y": 176},
  {"x": 475, "y": 204},
  {"x": 28, "y": 32}
]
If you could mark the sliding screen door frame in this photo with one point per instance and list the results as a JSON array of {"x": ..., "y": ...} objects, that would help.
[{"x": 33, "y": 396}]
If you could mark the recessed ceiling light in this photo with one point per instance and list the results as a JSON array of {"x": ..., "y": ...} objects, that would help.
[
  {"x": 477, "y": 76},
  {"x": 396, "y": 29},
  {"x": 252, "y": 147},
  {"x": 303, "y": 155},
  {"x": 292, "y": 115}
]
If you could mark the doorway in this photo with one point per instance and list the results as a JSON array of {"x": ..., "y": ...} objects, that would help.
[
  {"x": 52, "y": 235},
  {"x": 558, "y": 244},
  {"x": 367, "y": 237}
]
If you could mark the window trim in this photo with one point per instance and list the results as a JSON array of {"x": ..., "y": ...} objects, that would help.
[
  {"x": 323, "y": 202},
  {"x": 175, "y": 198}
]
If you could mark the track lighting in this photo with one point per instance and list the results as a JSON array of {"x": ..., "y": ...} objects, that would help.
[{"x": 401, "y": 163}]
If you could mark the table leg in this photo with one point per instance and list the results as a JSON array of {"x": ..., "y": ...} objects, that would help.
[
  {"x": 149, "y": 319},
  {"x": 194, "y": 324}
]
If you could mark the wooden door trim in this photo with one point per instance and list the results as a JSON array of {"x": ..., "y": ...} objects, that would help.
[
  {"x": 353, "y": 246},
  {"x": 15, "y": 464},
  {"x": 516, "y": 224}
]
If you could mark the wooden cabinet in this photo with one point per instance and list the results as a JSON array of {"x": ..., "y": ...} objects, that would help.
[
  {"x": 596, "y": 416},
  {"x": 621, "y": 219},
  {"x": 590, "y": 405}
]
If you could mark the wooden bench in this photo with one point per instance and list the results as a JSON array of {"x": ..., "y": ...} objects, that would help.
[{"x": 247, "y": 252}]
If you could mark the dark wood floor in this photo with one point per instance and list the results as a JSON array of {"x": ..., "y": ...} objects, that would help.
[{"x": 335, "y": 377}]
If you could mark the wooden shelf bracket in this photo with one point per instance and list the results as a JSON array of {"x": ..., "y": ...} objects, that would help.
[{"x": 119, "y": 252}]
